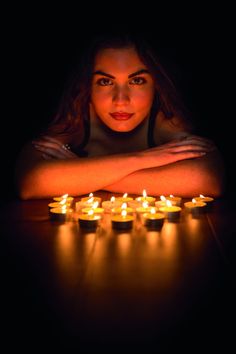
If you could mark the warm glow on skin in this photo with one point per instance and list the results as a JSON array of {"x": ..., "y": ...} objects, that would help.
[{"x": 121, "y": 83}]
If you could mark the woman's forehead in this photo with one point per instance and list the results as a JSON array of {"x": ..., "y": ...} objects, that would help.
[{"x": 118, "y": 59}]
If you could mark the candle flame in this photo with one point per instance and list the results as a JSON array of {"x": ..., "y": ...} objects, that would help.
[
  {"x": 194, "y": 200},
  {"x": 113, "y": 199},
  {"x": 62, "y": 202},
  {"x": 124, "y": 213},
  {"x": 145, "y": 204},
  {"x": 95, "y": 205},
  {"x": 168, "y": 203},
  {"x": 90, "y": 212},
  {"x": 162, "y": 198},
  {"x": 124, "y": 206},
  {"x": 63, "y": 207},
  {"x": 202, "y": 196},
  {"x": 171, "y": 196},
  {"x": 64, "y": 196},
  {"x": 90, "y": 200},
  {"x": 153, "y": 210},
  {"x": 144, "y": 193},
  {"x": 90, "y": 195},
  {"x": 125, "y": 195}
]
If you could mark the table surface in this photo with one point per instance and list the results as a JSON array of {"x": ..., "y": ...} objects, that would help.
[{"x": 143, "y": 289}]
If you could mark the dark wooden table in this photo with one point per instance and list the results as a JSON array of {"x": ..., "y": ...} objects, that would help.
[{"x": 152, "y": 291}]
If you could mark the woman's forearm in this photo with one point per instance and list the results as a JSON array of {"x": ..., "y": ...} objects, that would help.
[{"x": 187, "y": 178}]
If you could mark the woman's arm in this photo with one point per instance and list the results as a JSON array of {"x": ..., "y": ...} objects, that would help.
[
  {"x": 40, "y": 178},
  {"x": 186, "y": 178}
]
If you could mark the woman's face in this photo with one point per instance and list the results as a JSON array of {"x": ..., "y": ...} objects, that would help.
[{"x": 122, "y": 89}]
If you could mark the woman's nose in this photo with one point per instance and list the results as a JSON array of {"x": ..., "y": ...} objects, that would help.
[{"x": 121, "y": 95}]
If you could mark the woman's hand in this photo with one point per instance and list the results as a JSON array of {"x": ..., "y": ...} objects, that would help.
[
  {"x": 52, "y": 148},
  {"x": 187, "y": 147}
]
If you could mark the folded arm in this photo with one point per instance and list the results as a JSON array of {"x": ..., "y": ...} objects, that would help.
[{"x": 182, "y": 166}]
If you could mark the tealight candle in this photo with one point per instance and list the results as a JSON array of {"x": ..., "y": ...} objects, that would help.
[
  {"x": 110, "y": 204},
  {"x": 125, "y": 198},
  {"x": 89, "y": 221},
  {"x": 207, "y": 200},
  {"x": 172, "y": 212},
  {"x": 94, "y": 208},
  {"x": 59, "y": 204},
  {"x": 64, "y": 197},
  {"x": 87, "y": 202},
  {"x": 174, "y": 200},
  {"x": 60, "y": 214},
  {"x": 143, "y": 209},
  {"x": 94, "y": 199},
  {"x": 153, "y": 220},
  {"x": 118, "y": 210},
  {"x": 122, "y": 221},
  {"x": 163, "y": 202},
  {"x": 146, "y": 198},
  {"x": 195, "y": 207}
]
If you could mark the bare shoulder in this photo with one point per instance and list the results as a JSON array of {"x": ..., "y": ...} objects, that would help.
[{"x": 167, "y": 129}]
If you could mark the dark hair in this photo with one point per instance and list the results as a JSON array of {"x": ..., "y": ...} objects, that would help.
[{"x": 72, "y": 117}]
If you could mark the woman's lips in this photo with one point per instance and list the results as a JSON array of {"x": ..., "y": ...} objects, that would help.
[{"x": 121, "y": 115}]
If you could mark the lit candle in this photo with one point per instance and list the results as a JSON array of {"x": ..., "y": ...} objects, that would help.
[
  {"x": 110, "y": 204},
  {"x": 172, "y": 212},
  {"x": 89, "y": 221},
  {"x": 94, "y": 207},
  {"x": 163, "y": 202},
  {"x": 118, "y": 210},
  {"x": 94, "y": 199},
  {"x": 125, "y": 198},
  {"x": 59, "y": 204},
  {"x": 145, "y": 208},
  {"x": 87, "y": 202},
  {"x": 61, "y": 214},
  {"x": 207, "y": 200},
  {"x": 122, "y": 221},
  {"x": 146, "y": 198},
  {"x": 195, "y": 207},
  {"x": 64, "y": 197},
  {"x": 153, "y": 220},
  {"x": 174, "y": 200}
]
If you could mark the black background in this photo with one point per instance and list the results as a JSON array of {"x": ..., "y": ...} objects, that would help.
[{"x": 41, "y": 46}]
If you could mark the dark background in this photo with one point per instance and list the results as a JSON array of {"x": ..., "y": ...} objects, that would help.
[{"x": 40, "y": 48}]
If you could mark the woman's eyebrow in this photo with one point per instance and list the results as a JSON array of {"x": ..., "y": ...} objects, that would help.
[{"x": 141, "y": 71}]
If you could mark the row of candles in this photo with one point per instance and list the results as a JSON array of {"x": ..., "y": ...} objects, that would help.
[{"x": 123, "y": 209}]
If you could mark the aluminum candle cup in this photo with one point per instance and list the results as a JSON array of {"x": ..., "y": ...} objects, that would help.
[
  {"x": 154, "y": 220},
  {"x": 60, "y": 214},
  {"x": 172, "y": 213},
  {"x": 195, "y": 207},
  {"x": 122, "y": 221},
  {"x": 207, "y": 200},
  {"x": 89, "y": 222},
  {"x": 174, "y": 200}
]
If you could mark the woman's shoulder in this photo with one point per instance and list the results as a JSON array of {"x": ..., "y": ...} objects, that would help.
[{"x": 166, "y": 129}]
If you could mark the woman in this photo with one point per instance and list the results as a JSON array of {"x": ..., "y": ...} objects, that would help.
[{"x": 121, "y": 127}]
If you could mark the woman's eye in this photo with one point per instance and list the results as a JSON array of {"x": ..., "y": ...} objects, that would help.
[
  {"x": 138, "y": 81},
  {"x": 104, "y": 82}
]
